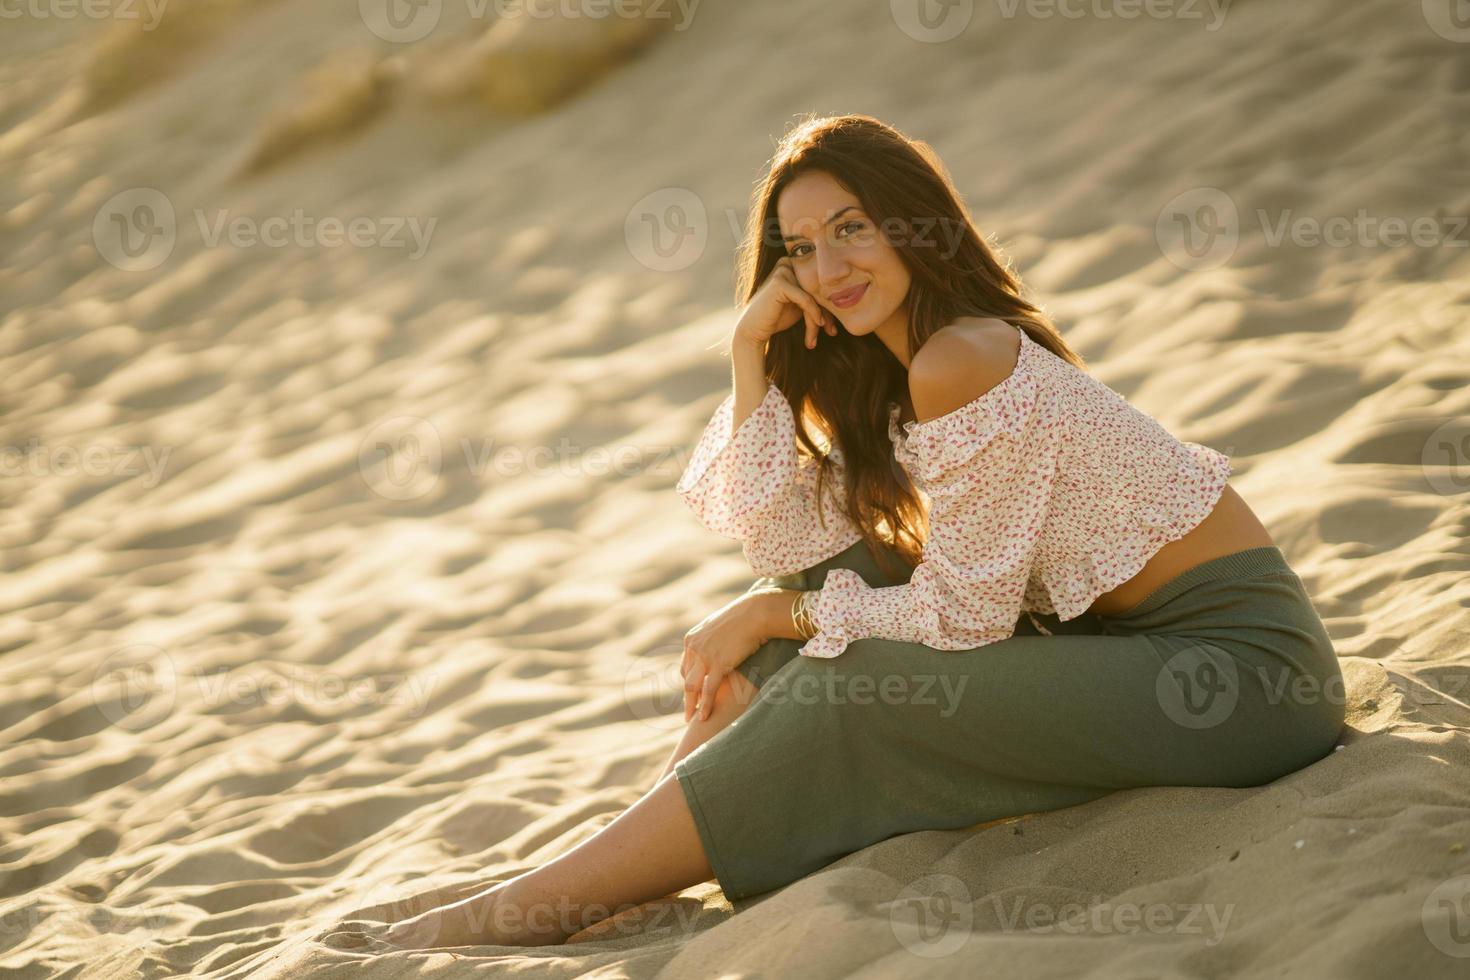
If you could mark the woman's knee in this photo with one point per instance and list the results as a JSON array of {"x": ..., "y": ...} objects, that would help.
[
  {"x": 736, "y": 692},
  {"x": 836, "y": 685}
]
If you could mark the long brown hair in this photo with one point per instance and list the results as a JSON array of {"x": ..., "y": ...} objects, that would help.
[{"x": 844, "y": 386}]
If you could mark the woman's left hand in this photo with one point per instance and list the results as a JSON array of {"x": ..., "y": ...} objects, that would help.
[{"x": 716, "y": 646}]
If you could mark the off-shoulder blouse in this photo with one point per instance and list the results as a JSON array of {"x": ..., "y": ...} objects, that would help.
[{"x": 1046, "y": 491}]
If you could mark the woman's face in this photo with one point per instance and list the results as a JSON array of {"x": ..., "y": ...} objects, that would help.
[{"x": 838, "y": 252}]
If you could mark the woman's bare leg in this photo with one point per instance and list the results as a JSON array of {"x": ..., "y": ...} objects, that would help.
[
  {"x": 734, "y": 695},
  {"x": 649, "y": 851}
]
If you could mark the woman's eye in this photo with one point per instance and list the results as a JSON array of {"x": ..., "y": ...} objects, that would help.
[{"x": 795, "y": 252}]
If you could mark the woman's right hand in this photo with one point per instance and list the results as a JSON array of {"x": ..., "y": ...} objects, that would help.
[{"x": 779, "y": 304}]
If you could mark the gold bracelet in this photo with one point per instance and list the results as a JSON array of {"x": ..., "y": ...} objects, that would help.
[
  {"x": 796, "y": 615},
  {"x": 808, "y": 615},
  {"x": 801, "y": 615}
]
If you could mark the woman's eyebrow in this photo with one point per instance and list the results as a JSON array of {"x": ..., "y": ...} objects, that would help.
[{"x": 850, "y": 207}]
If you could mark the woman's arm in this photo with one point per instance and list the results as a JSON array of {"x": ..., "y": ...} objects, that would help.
[
  {"x": 747, "y": 481},
  {"x": 771, "y": 612},
  {"x": 748, "y": 370}
]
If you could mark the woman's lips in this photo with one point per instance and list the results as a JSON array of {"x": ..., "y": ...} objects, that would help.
[{"x": 850, "y": 297}]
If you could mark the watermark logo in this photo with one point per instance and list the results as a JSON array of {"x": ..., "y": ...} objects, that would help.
[
  {"x": 667, "y": 230},
  {"x": 815, "y": 682},
  {"x": 40, "y": 460},
  {"x": 1181, "y": 10},
  {"x": 136, "y": 686},
  {"x": 1364, "y": 230},
  {"x": 1198, "y": 687},
  {"x": 1450, "y": 19},
  {"x": 406, "y": 21},
  {"x": 401, "y": 458},
  {"x": 653, "y": 688},
  {"x": 1290, "y": 686},
  {"x": 1199, "y": 229},
  {"x": 932, "y": 21},
  {"x": 150, "y": 12},
  {"x": 1101, "y": 918},
  {"x": 387, "y": 898},
  {"x": 1446, "y": 457},
  {"x": 81, "y": 919},
  {"x": 400, "y": 21},
  {"x": 932, "y": 916},
  {"x": 135, "y": 230},
  {"x": 1445, "y": 917}
]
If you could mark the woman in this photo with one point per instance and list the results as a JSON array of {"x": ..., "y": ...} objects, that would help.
[{"x": 1078, "y": 602}]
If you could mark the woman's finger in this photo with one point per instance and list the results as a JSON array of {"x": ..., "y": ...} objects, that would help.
[
  {"x": 693, "y": 682},
  {"x": 707, "y": 696},
  {"x": 811, "y": 312},
  {"x": 819, "y": 315}
]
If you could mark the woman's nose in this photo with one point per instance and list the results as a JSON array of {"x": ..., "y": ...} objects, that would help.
[{"x": 831, "y": 268}]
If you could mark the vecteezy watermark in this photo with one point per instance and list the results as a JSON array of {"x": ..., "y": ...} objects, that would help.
[
  {"x": 1200, "y": 686},
  {"x": 490, "y": 915},
  {"x": 137, "y": 686},
  {"x": 1211, "y": 12},
  {"x": 403, "y": 457},
  {"x": 388, "y": 899},
  {"x": 149, "y": 12},
  {"x": 1445, "y": 916},
  {"x": 137, "y": 229},
  {"x": 1201, "y": 228},
  {"x": 653, "y": 688},
  {"x": 932, "y": 916},
  {"x": 932, "y": 21},
  {"x": 1364, "y": 230},
  {"x": 936, "y": 21},
  {"x": 565, "y": 916},
  {"x": 1198, "y": 229},
  {"x": 39, "y": 459},
  {"x": 1450, "y": 19},
  {"x": 1445, "y": 458},
  {"x": 668, "y": 230},
  {"x": 835, "y": 687},
  {"x": 90, "y": 919},
  {"x": 406, "y": 21},
  {"x": 1100, "y": 917}
]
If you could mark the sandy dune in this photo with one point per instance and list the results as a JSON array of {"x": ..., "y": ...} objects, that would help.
[{"x": 337, "y": 571}]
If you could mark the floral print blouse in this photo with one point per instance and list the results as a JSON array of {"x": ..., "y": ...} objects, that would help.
[{"x": 1046, "y": 491}]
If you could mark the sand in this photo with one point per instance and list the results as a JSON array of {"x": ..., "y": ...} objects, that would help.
[{"x": 256, "y": 682}]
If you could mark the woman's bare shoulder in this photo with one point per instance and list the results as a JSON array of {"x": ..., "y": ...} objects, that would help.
[{"x": 959, "y": 363}]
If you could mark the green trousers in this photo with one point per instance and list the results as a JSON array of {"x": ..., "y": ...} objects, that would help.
[{"x": 1224, "y": 676}]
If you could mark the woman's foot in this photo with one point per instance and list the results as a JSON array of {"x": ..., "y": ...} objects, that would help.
[{"x": 482, "y": 919}]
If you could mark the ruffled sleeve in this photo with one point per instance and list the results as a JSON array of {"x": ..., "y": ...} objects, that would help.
[
  {"x": 753, "y": 486},
  {"x": 988, "y": 468}
]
